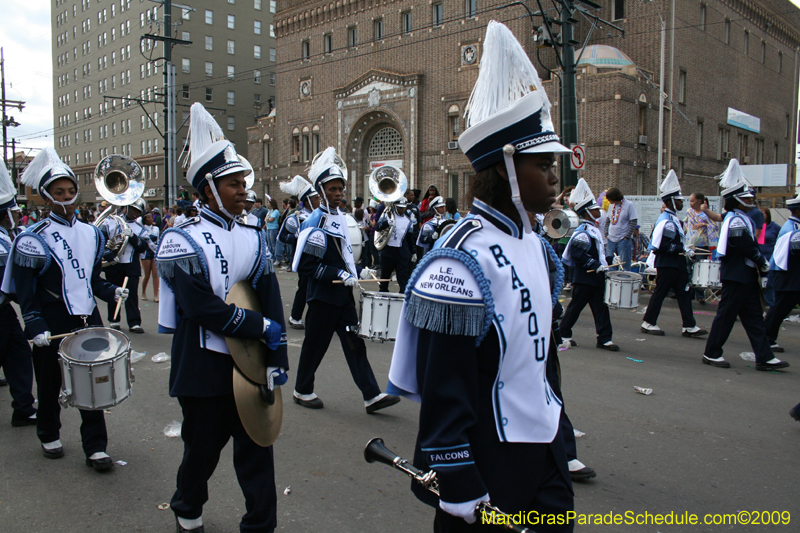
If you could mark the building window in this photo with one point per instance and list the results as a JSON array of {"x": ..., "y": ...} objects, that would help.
[
  {"x": 452, "y": 115},
  {"x": 231, "y": 47},
  {"x": 352, "y": 36},
  {"x": 727, "y": 31},
  {"x": 680, "y": 167},
  {"x": 185, "y": 92},
  {"x": 328, "y": 40},
  {"x": 209, "y": 42},
  {"x": 266, "y": 146},
  {"x": 209, "y": 68},
  {"x": 698, "y": 146},
  {"x": 306, "y": 144},
  {"x": 682, "y": 87},
  {"x": 763, "y": 52},
  {"x": 257, "y": 27},
  {"x": 272, "y": 30},
  {"x": 777, "y": 153},
  {"x": 231, "y": 22},
  {"x": 405, "y": 22},
  {"x": 723, "y": 144},
  {"x": 209, "y": 16},
  {"x": 703, "y": 10},
  {"x": 617, "y": 9},
  {"x": 746, "y": 42},
  {"x": 452, "y": 187},
  {"x": 377, "y": 26},
  {"x": 470, "y": 8},
  {"x": 437, "y": 14},
  {"x": 295, "y": 145},
  {"x": 257, "y": 51},
  {"x": 185, "y": 64},
  {"x": 231, "y": 124},
  {"x": 231, "y": 97},
  {"x": 788, "y": 126},
  {"x": 642, "y": 120},
  {"x": 273, "y": 6},
  {"x": 387, "y": 142},
  {"x": 231, "y": 72},
  {"x": 257, "y": 5},
  {"x": 209, "y": 94},
  {"x": 273, "y": 55},
  {"x": 272, "y": 78},
  {"x": 759, "y": 151},
  {"x": 306, "y": 49},
  {"x": 257, "y": 77},
  {"x": 315, "y": 140},
  {"x": 780, "y": 62}
]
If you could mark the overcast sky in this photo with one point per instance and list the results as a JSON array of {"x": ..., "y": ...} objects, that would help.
[{"x": 25, "y": 38}]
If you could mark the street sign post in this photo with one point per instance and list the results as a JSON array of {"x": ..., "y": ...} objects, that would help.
[{"x": 577, "y": 159}]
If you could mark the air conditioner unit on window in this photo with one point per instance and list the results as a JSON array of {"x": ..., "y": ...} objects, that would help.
[
  {"x": 727, "y": 155},
  {"x": 452, "y": 145},
  {"x": 746, "y": 160},
  {"x": 642, "y": 139},
  {"x": 295, "y": 159}
]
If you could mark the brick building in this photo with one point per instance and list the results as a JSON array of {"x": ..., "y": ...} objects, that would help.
[{"x": 388, "y": 80}]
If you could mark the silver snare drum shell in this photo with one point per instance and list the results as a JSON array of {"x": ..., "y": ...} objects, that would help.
[
  {"x": 379, "y": 316},
  {"x": 95, "y": 368},
  {"x": 705, "y": 273},
  {"x": 622, "y": 290}
]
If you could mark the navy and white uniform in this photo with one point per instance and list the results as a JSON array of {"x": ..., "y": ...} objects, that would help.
[
  {"x": 785, "y": 275},
  {"x": 128, "y": 266},
  {"x": 472, "y": 347},
  {"x": 585, "y": 251},
  {"x": 790, "y": 225},
  {"x": 323, "y": 250},
  {"x": 741, "y": 289},
  {"x": 55, "y": 273},
  {"x": 290, "y": 230},
  {"x": 15, "y": 356},
  {"x": 396, "y": 255},
  {"x": 199, "y": 262},
  {"x": 672, "y": 274},
  {"x": 426, "y": 237}
]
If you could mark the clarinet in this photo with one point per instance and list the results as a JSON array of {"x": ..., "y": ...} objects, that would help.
[{"x": 376, "y": 451}]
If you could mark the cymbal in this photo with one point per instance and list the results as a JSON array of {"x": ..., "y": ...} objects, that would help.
[
  {"x": 250, "y": 355},
  {"x": 262, "y": 420}
]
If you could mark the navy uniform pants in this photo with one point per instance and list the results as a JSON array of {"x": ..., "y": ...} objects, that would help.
[
  {"x": 742, "y": 300},
  {"x": 48, "y": 381},
  {"x": 299, "y": 303},
  {"x": 784, "y": 303},
  {"x": 15, "y": 358},
  {"x": 116, "y": 276},
  {"x": 322, "y": 321},
  {"x": 676, "y": 279},
  {"x": 587, "y": 294},
  {"x": 391, "y": 261},
  {"x": 208, "y": 425}
]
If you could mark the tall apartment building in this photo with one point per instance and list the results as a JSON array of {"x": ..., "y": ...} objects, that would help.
[
  {"x": 388, "y": 81},
  {"x": 102, "y": 68}
]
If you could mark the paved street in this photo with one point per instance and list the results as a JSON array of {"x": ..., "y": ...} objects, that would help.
[{"x": 707, "y": 440}]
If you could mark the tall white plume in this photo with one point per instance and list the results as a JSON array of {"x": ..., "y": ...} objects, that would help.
[
  {"x": 203, "y": 132},
  {"x": 7, "y": 190},
  {"x": 581, "y": 192},
  {"x": 296, "y": 187},
  {"x": 506, "y": 75},
  {"x": 732, "y": 176},
  {"x": 35, "y": 169}
]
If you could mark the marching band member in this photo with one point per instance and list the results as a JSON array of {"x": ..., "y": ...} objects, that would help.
[
  {"x": 15, "y": 357},
  {"x": 785, "y": 275},
  {"x": 128, "y": 265},
  {"x": 54, "y": 269},
  {"x": 396, "y": 255},
  {"x": 429, "y": 231},
  {"x": 585, "y": 252},
  {"x": 668, "y": 245},
  {"x": 248, "y": 217},
  {"x": 324, "y": 255},
  {"x": 199, "y": 262},
  {"x": 739, "y": 273},
  {"x": 289, "y": 232},
  {"x": 473, "y": 342}
]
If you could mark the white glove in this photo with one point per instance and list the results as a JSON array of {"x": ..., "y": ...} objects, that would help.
[
  {"x": 42, "y": 339},
  {"x": 464, "y": 510},
  {"x": 126, "y": 232},
  {"x": 414, "y": 258},
  {"x": 276, "y": 377},
  {"x": 601, "y": 268},
  {"x": 366, "y": 273},
  {"x": 121, "y": 294},
  {"x": 689, "y": 253},
  {"x": 348, "y": 278},
  {"x": 435, "y": 235}
]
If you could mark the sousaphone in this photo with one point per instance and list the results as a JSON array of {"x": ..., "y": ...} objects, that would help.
[{"x": 260, "y": 410}]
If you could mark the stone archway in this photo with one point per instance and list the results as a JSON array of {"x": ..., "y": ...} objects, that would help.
[{"x": 376, "y": 137}]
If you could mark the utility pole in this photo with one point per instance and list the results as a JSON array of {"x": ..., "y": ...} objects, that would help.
[{"x": 7, "y": 121}]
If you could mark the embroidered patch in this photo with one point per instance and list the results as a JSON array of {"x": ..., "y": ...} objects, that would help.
[
  {"x": 450, "y": 456},
  {"x": 450, "y": 281},
  {"x": 737, "y": 222},
  {"x": 174, "y": 246},
  {"x": 30, "y": 246},
  {"x": 317, "y": 238}
]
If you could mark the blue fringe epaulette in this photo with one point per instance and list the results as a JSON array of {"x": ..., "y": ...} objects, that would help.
[
  {"x": 315, "y": 249},
  {"x": 195, "y": 264},
  {"x": 449, "y": 318},
  {"x": 33, "y": 261}
]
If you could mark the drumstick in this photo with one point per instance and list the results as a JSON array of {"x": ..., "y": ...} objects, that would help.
[
  {"x": 364, "y": 280},
  {"x": 62, "y": 335},
  {"x": 119, "y": 302},
  {"x": 699, "y": 253},
  {"x": 609, "y": 266}
]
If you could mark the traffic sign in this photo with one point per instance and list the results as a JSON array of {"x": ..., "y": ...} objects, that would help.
[{"x": 577, "y": 159}]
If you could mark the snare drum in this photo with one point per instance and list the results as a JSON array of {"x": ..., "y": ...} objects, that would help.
[
  {"x": 705, "y": 273},
  {"x": 622, "y": 290},
  {"x": 380, "y": 315},
  {"x": 96, "y": 369}
]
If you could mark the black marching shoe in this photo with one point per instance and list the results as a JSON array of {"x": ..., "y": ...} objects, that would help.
[
  {"x": 56, "y": 452},
  {"x": 314, "y": 403},
  {"x": 794, "y": 413},
  {"x": 694, "y": 332},
  {"x": 610, "y": 346},
  {"x": 718, "y": 362},
  {"x": 772, "y": 364},
  {"x": 136, "y": 329},
  {"x": 180, "y": 529},
  {"x": 101, "y": 463},
  {"x": 26, "y": 421},
  {"x": 776, "y": 348},
  {"x": 387, "y": 401},
  {"x": 579, "y": 471}
]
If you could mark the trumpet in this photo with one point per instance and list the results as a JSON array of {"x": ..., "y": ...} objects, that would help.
[
  {"x": 120, "y": 181},
  {"x": 376, "y": 451},
  {"x": 388, "y": 184}
]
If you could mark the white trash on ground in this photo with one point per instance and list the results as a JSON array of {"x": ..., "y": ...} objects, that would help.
[
  {"x": 748, "y": 356},
  {"x": 642, "y": 390},
  {"x": 287, "y": 491},
  {"x": 578, "y": 433},
  {"x": 137, "y": 356},
  {"x": 160, "y": 358},
  {"x": 173, "y": 429}
]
